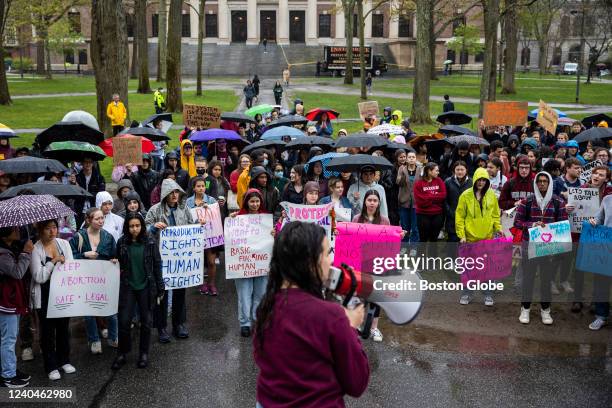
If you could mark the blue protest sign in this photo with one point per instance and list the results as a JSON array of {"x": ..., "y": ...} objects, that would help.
[{"x": 595, "y": 249}]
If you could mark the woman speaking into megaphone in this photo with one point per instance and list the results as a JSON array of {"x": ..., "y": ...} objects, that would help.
[{"x": 307, "y": 349}]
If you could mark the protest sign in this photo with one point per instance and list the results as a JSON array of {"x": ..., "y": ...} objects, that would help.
[
  {"x": 199, "y": 116},
  {"x": 309, "y": 213},
  {"x": 586, "y": 203},
  {"x": 358, "y": 244},
  {"x": 369, "y": 108},
  {"x": 587, "y": 170},
  {"x": 554, "y": 238},
  {"x": 84, "y": 288},
  {"x": 547, "y": 117},
  {"x": 505, "y": 113},
  {"x": 595, "y": 250},
  {"x": 248, "y": 245},
  {"x": 213, "y": 229},
  {"x": 127, "y": 149},
  {"x": 507, "y": 221},
  {"x": 181, "y": 250},
  {"x": 494, "y": 256}
]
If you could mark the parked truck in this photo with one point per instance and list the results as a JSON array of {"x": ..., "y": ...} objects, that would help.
[{"x": 334, "y": 61}]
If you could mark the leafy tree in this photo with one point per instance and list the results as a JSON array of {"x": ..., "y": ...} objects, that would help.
[{"x": 465, "y": 40}]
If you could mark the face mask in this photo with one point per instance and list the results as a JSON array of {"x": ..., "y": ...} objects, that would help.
[
  {"x": 200, "y": 171},
  {"x": 265, "y": 162},
  {"x": 278, "y": 174}
]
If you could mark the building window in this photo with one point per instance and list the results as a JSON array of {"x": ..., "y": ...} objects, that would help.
[
  {"x": 463, "y": 57},
  {"x": 212, "y": 29},
  {"x": 378, "y": 25},
  {"x": 69, "y": 56},
  {"x": 556, "y": 59},
  {"x": 404, "y": 25},
  {"x": 75, "y": 22},
  {"x": 129, "y": 22},
  {"x": 186, "y": 26},
  {"x": 479, "y": 57},
  {"x": 355, "y": 26},
  {"x": 458, "y": 21},
  {"x": 450, "y": 55},
  {"x": 83, "y": 57},
  {"x": 155, "y": 25},
  {"x": 324, "y": 25},
  {"x": 525, "y": 56}
]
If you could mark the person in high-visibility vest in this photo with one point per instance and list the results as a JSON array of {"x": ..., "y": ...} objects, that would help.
[
  {"x": 117, "y": 113},
  {"x": 158, "y": 101}
]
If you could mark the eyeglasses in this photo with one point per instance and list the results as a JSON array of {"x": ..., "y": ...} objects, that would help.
[{"x": 542, "y": 182}]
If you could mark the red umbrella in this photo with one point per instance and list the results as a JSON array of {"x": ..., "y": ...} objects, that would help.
[
  {"x": 107, "y": 145},
  {"x": 316, "y": 113}
]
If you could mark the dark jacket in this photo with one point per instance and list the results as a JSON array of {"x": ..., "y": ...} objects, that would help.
[
  {"x": 269, "y": 192},
  {"x": 144, "y": 182},
  {"x": 118, "y": 204},
  {"x": 292, "y": 196},
  {"x": 448, "y": 106},
  {"x": 446, "y": 165},
  {"x": 106, "y": 247},
  {"x": 182, "y": 177},
  {"x": 453, "y": 191},
  {"x": 132, "y": 195},
  {"x": 516, "y": 188},
  {"x": 14, "y": 264},
  {"x": 96, "y": 184}
]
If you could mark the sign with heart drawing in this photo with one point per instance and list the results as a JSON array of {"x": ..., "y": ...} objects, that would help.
[{"x": 552, "y": 239}]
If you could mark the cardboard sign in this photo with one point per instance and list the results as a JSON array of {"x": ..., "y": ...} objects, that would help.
[
  {"x": 213, "y": 229},
  {"x": 248, "y": 245},
  {"x": 84, "y": 288},
  {"x": 358, "y": 244},
  {"x": 554, "y": 238},
  {"x": 127, "y": 149},
  {"x": 547, "y": 117},
  {"x": 595, "y": 250},
  {"x": 495, "y": 256},
  {"x": 199, "y": 116},
  {"x": 369, "y": 108},
  {"x": 587, "y": 170},
  {"x": 586, "y": 201},
  {"x": 182, "y": 250},
  {"x": 505, "y": 113}
]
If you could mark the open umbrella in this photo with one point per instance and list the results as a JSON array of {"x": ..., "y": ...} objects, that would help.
[
  {"x": 325, "y": 159},
  {"x": 154, "y": 135},
  {"x": 6, "y": 131},
  {"x": 360, "y": 140},
  {"x": 46, "y": 187},
  {"x": 392, "y": 146},
  {"x": 565, "y": 121},
  {"x": 593, "y": 120},
  {"x": 237, "y": 117},
  {"x": 593, "y": 133},
  {"x": 107, "y": 145},
  {"x": 213, "y": 134},
  {"x": 83, "y": 117},
  {"x": 451, "y": 130},
  {"x": 69, "y": 131},
  {"x": 166, "y": 121},
  {"x": 73, "y": 151},
  {"x": 315, "y": 114},
  {"x": 455, "y": 118},
  {"x": 473, "y": 140},
  {"x": 261, "y": 109},
  {"x": 418, "y": 139},
  {"x": 263, "y": 144},
  {"x": 28, "y": 209},
  {"x": 356, "y": 162},
  {"x": 306, "y": 142},
  {"x": 534, "y": 113},
  {"x": 288, "y": 120},
  {"x": 31, "y": 165},
  {"x": 279, "y": 132},
  {"x": 240, "y": 143},
  {"x": 386, "y": 128}
]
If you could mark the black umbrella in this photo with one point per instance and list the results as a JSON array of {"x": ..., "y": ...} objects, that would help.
[
  {"x": 165, "y": 118},
  {"x": 69, "y": 131},
  {"x": 392, "y": 146},
  {"x": 46, "y": 187},
  {"x": 28, "y": 164},
  {"x": 237, "y": 117},
  {"x": 452, "y": 130},
  {"x": 154, "y": 135},
  {"x": 263, "y": 144},
  {"x": 361, "y": 140},
  {"x": 455, "y": 118},
  {"x": 473, "y": 140},
  {"x": 308, "y": 142},
  {"x": 593, "y": 133},
  {"x": 356, "y": 162},
  {"x": 593, "y": 120},
  {"x": 288, "y": 120}
]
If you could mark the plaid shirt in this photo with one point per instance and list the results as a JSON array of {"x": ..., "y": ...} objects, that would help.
[{"x": 535, "y": 214}]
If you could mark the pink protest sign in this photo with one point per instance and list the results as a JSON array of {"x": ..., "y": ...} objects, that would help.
[
  {"x": 492, "y": 259},
  {"x": 358, "y": 244}
]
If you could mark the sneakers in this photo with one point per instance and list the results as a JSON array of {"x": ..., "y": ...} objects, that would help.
[
  {"x": 96, "y": 347},
  {"x": 553, "y": 288},
  {"x": 22, "y": 376},
  {"x": 204, "y": 290},
  {"x": 68, "y": 369},
  {"x": 524, "y": 317},
  {"x": 14, "y": 382},
  {"x": 105, "y": 333},
  {"x": 546, "y": 318},
  {"x": 164, "y": 337},
  {"x": 245, "y": 331},
  {"x": 567, "y": 287},
  {"x": 55, "y": 375},
  {"x": 488, "y": 301},
  {"x": 376, "y": 335},
  {"x": 180, "y": 332},
  {"x": 597, "y": 324},
  {"x": 465, "y": 299},
  {"x": 27, "y": 354}
]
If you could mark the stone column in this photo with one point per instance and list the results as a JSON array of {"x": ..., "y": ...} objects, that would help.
[
  {"x": 252, "y": 22},
  {"x": 367, "y": 29},
  {"x": 339, "y": 20},
  {"x": 312, "y": 23},
  {"x": 223, "y": 22},
  {"x": 193, "y": 18},
  {"x": 393, "y": 22},
  {"x": 283, "y": 22}
]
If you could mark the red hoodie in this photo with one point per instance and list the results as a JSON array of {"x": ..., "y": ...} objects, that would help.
[
  {"x": 429, "y": 196},
  {"x": 517, "y": 187}
]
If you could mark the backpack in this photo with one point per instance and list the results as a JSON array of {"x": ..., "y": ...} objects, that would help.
[{"x": 517, "y": 233}]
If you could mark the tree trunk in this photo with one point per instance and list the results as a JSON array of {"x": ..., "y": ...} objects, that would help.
[
  {"x": 432, "y": 50},
  {"x": 40, "y": 57},
  {"x": 134, "y": 63},
  {"x": 543, "y": 48},
  {"x": 162, "y": 29},
  {"x": 143, "y": 46},
  {"x": 511, "y": 47},
  {"x": 109, "y": 55},
  {"x": 420, "y": 92},
  {"x": 487, "y": 83},
  {"x": 174, "y": 101},
  {"x": 348, "y": 28},
  {"x": 48, "y": 74},
  {"x": 5, "y": 95},
  {"x": 362, "y": 65},
  {"x": 201, "y": 23}
]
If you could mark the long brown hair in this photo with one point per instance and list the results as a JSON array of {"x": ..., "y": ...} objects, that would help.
[{"x": 363, "y": 217}]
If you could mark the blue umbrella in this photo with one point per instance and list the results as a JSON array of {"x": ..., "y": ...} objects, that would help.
[
  {"x": 325, "y": 159},
  {"x": 213, "y": 134},
  {"x": 279, "y": 132},
  {"x": 534, "y": 113}
]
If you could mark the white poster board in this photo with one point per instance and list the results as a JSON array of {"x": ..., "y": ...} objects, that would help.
[
  {"x": 554, "y": 238},
  {"x": 213, "y": 229},
  {"x": 182, "y": 250},
  {"x": 586, "y": 203},
  {"x": 248, "y": 245}
]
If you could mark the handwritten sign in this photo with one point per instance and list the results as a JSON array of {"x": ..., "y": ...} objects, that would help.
[
  {"x": 554, "y": 238},
  {"x": 84, "y": 288},
  {"x": 586, "y": 203},
  {"x": 182, "y": 250},
  {"x": 309, "y": 213},
  {"x": 595, "y": 249},
  {"x": 358, "y": 244},
  {"x": 587, "y": 170},
  {"x": 496, "y": 258},
  {"x": 199, "y": 116},
  {"x": 248, "y": 245},
  {"x": 368, "y": 109},
  {"x": 213, "y": 229},
  {"x": 547, "y": 117},
  {"x": 505, "y": 113},
  {"x": 127, "y": 149}
]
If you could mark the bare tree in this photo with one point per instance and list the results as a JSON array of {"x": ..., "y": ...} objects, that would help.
[
  {"x": 140, "y": 17},
  {"x": 361, "y": 17},
  {"x": 488, "y": 88},
  {"x": 420, "y": 92},
  {"x": 348, "y": 6},
  {"x": 5, "y": 96},
  {"x": 510, "y": 52},
  {"x": 200, "y": 12},
  {"x": 162, "y": 31},
  {"x": 174, "y": 102},
  {"x": 600, "y": 42}
]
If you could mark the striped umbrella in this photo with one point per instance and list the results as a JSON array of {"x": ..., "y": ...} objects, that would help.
[
  {"x": 28, "y": 209},
  {"x": 6, "y": 131}
]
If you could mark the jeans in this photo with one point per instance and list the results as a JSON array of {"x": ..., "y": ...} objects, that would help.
[
  {"x": 179, "y": 310},
  {"x": 408, "y": 221},
  {"x": 530, "y": 268},
  {"x": 250, "y": 292},
  {"x": 117, "y": 129},
  {"x": 91, "y": 327},
  {"x": 128, "y": 298},
  {"x": 54, "y": 335},
  {"x": 602, "y": 286},
  {"x": 9, "y": 329},
  {"x": 248, "y": 102}
]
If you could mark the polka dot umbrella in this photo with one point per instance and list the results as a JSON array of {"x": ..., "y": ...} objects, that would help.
[{"x": 28, "y": 209}]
